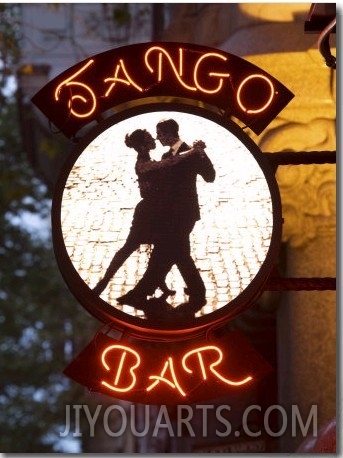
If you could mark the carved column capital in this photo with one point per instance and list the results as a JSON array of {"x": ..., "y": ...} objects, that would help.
[
  {"x": 308, "y": 192},
  {"x": 308, "y": 201}
]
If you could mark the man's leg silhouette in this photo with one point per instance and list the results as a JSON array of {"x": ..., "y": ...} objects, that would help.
[{"x": 173, "y": 248}]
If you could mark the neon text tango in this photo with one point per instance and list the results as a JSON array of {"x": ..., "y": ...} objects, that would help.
[{"x": 207, "y": 74}]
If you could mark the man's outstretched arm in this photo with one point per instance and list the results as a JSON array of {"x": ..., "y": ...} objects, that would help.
[{"x": 206, "y": 169}]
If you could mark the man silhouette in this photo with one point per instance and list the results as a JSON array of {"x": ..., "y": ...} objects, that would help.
[{"x": 178, "y": 210}]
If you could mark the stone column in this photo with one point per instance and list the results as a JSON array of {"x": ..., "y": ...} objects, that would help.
[{"x": 307, "y": 319}]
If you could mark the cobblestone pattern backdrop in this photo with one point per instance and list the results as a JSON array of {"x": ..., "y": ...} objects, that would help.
[{"x": 229, "y": 243}]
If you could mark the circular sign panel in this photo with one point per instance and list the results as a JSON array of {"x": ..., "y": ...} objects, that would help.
[{"x": 166, "y": 219}]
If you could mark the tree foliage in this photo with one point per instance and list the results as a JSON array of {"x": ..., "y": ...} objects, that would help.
[
  {"x": 9, "y": 51},
  {"x": 41, "y": 325}
]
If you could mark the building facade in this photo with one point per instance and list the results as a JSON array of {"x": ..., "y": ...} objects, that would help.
[{"x": 296, "y": 329}]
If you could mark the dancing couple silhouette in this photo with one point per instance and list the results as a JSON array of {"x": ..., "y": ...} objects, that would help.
[{"x": 164, "y": 218}]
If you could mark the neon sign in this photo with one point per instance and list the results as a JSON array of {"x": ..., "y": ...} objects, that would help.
[
  {"x": 203, "y": 91},
  {"x": 148, "y": 373},
  {"x": 194, "y": 73}
]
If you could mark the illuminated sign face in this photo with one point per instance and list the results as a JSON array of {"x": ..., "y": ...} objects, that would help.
[{"x": 199, "y": 230}]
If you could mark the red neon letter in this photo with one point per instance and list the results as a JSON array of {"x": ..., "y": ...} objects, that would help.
[
  {"x": 178, "y": 72},
  {"x": 124, "y": 351},
  {"x": 91, "y": 99},
  {"x": 198, "y": 352},
  {"x": 128, "y": 81},
  {"x": 268, "y": 102},
  {"x": 218, "y": 75},
  {"x": 160, "y": 378}
]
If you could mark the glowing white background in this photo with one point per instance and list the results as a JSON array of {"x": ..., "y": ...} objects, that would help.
[{"x": 229, "y": 243}]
